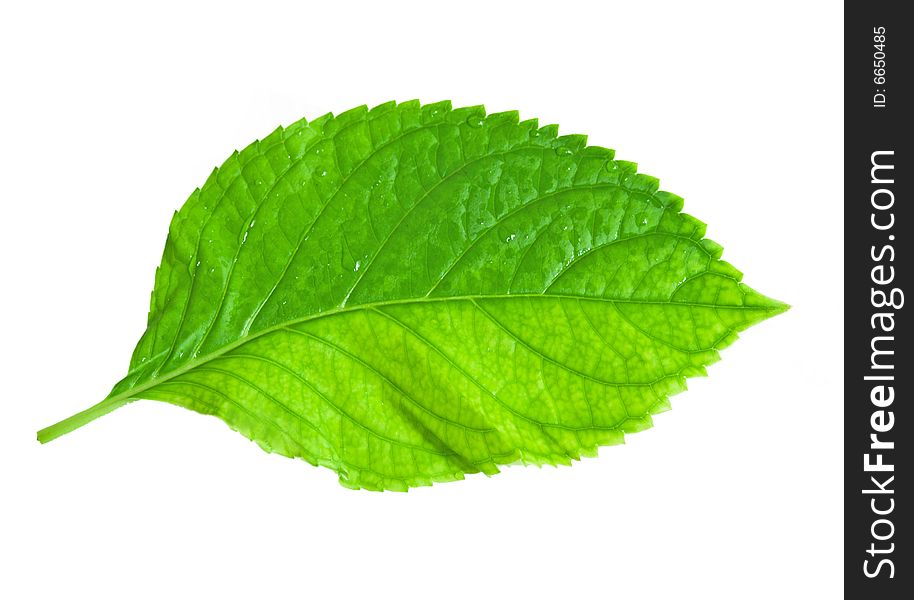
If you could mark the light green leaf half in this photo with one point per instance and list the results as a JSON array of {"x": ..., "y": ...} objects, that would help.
[{"x": 411, "y": 293}]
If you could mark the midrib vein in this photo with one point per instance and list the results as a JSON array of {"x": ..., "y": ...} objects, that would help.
[{"x": 112, "y": 402}]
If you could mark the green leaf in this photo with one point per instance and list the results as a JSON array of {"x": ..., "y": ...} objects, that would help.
[{"x": 411, "y": 293}]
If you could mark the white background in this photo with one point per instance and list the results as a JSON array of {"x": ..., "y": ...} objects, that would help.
[{"x": 112, "y": 115}]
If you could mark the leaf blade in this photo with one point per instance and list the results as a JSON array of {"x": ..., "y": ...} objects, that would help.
[{"x": 343, "y": 244}]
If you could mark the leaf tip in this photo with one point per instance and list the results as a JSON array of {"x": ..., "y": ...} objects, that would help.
[
  {"x": 755, "y": 299},
  {"x": 778, "y": 307}
]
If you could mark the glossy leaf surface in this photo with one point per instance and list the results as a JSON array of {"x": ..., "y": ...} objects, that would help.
[{"x": 412, "y": 293}]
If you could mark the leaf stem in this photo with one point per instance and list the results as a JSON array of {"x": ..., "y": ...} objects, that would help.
[{"x": 82, "y": 418}]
